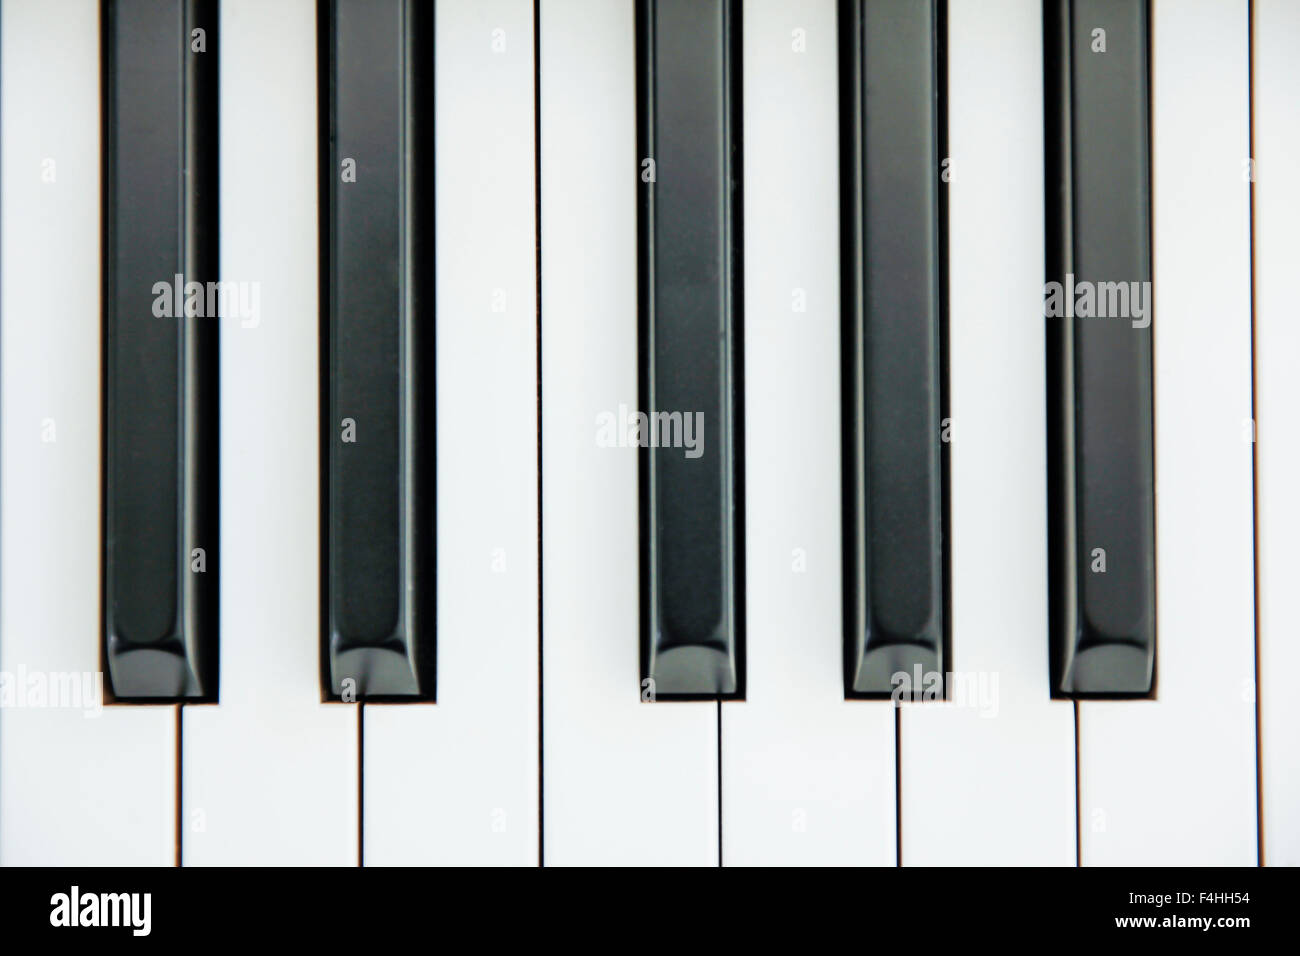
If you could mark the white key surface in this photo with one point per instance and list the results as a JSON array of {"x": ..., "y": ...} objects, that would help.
[
  {"x": 269, "y": 774},
  {"x": 625, "y": 782},
  {"x": 78, "y": 785},
  {"x": 1277, "y": 408},
  {"x": 1171, "y": 781},
  {"x": 807, "y": 777},
  {"x": 988, "y": 778},
  {"x": 456, "y": 782}
]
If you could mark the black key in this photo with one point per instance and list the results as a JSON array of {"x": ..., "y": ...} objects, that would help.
[
  {"x": 1101, "y": 485},
  {"x": 893, "y": 264},
  {"x": 692, "y": 497},
  {"x": 161, "y": 560},
  {"x": 376, "y": 67}
]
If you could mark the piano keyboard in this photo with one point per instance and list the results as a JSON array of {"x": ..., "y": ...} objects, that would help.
[{"x": 638, "y": 432}]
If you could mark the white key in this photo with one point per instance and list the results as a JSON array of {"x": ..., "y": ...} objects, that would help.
[
  {"x": 269, "y": 775},
  {"x": 1172, "y": 781},
  {"x": 625, "y": 782},
  {"x": 77, "y": 786},
  {"x": 1277, "y": 407},
  {"x": 807, "y": 777},
  {"x": 456, "y": 782},
  {"x": 989, "y": 778}
]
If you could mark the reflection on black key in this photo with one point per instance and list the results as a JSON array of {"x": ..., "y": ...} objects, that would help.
[
  {"x": 892, "y": 262},
  {"x": 692, "y": 520},
  {"x": 160, "y": 348},
  {"x": 1098, "y": 307},
  {"x": 376, "y": 67}
]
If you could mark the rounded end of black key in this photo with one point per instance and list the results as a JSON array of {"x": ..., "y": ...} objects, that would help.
[
  {"x": 1110, "y": 668},
  {"x": 693, "y": 672},
  {"x": 904, "y": 669},
  {"x": 1110, "y": 656},
  {"x": 157, "y": 672},
  {"x": 387, "y": 670}
]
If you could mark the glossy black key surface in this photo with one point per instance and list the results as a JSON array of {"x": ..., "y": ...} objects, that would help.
[
  {"x": 892, "y": 291},
  {"x": 161, "y": 561},
  {"x": 1101, "y": 481},
  {"x": 376, "y": 67},
  {"x": 691, "y": 496}
]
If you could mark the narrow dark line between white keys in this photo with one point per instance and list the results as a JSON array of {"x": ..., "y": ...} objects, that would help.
[
  {"x": 361, "y": 783},
  {"x": 1078, "y": 808},
  {"x": 180, "y": 803},
  {"x": 1254, "y": 446},
  {"x": 719, "y": 703},
  {"x": 537, "y": 192},
  {"x": 898, "y": 785}
]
